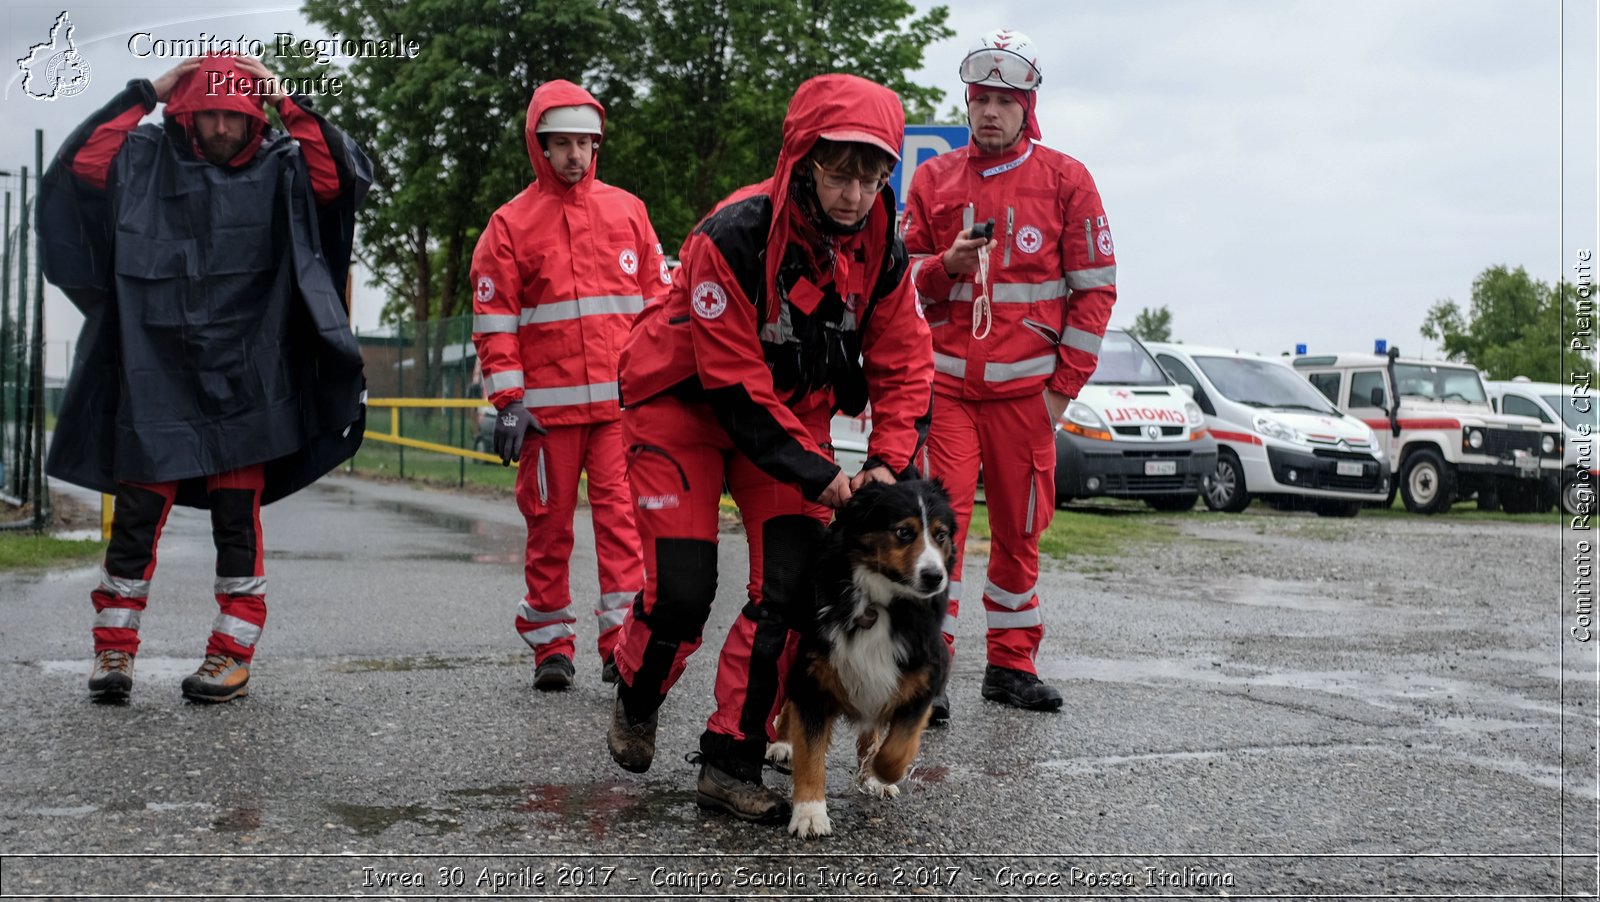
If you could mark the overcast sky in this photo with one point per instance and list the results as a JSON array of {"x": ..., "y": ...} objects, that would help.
[{"x": 1315, "y": 172}]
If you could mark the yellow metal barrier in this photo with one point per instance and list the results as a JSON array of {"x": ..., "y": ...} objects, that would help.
[{"x": 394, "y": 437}]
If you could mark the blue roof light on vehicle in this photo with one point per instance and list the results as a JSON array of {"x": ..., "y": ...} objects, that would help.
[{"x": 1380, "y": 346}]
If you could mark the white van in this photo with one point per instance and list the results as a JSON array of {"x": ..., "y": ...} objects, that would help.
[
  {"x": 1132, "y": 432},
  {"x": 1573, "y": 480},
  {"x": 1277, "y": 437}
]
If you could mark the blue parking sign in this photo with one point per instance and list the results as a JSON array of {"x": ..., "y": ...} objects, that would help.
[{"x": 923, "y": 142}]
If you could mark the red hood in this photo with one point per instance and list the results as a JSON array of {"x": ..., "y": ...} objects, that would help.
[
  {"x": 553, "y": 94},
  {"x": 231, "y": 90},
  {"x": 839, "y": 108}
]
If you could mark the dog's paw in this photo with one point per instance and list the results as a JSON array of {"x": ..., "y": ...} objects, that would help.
[
  {"x": 878, "y": 789},
  {"x": 810, "y": 819},
  {"x": 780, "y": 754}
]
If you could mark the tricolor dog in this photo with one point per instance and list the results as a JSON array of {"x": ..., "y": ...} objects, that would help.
[{"x": 871, "y": 649}]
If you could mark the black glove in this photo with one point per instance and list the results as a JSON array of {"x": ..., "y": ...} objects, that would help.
[{"x": 510, "y": 428}]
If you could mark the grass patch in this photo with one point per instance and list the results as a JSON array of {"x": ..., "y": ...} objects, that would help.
[
  {"x": 31, "y": 551},
  {"x": 1100, "y": 532},
  {"x": 1468, "y": 510}
]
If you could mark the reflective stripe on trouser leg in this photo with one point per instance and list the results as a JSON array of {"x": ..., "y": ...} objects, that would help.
[
  {"x": 784, "y": 531},
  {"x": 544, "y": 618},
  {"x": 1018, "y": 451},
  {"x": 952, "y": 456},
  {"x": 675, "y": 459},
  {"x": 241, "y": 585},
  {"x": 124, "y": 590},
  {"x": 618, "y": 553}
]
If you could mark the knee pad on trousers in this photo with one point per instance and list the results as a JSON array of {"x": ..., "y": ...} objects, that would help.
[
  {"x": 134, "y": 528},
  {"x": 789, "y": 548},
  {"x": 686, "y": 585},
  {"x": 233, "y": 528}
]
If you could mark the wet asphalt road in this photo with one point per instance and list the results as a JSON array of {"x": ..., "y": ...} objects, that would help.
[{"x": 1259, "y": 705}]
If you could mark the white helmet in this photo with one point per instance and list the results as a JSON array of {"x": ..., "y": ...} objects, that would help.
[
  {"x": 1002, "y": 59},
  {"x": 579, "y": 120}
]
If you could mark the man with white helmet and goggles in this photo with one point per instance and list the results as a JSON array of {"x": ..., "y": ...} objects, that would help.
[{"x": 1014, "y": 262}]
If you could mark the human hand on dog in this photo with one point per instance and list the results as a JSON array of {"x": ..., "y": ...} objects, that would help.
[
  {"x": 879, "y": 473},
  {"x": 838, "y": 492}
]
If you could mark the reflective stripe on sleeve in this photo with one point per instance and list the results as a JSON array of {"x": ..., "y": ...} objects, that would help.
[
  {"x": 117, "y": 619},
  {"x": 950, "y": 366},
  {"x": 241, "y": 585},
  {"x": 241, "y": 631},
  {"x": 1014, "y": 620},
  {"x": 570, "y": 396},
  {"x": 493, "y": 382},
  {"x": 600, "y": 305},
  {"x": 1082, "y": 279},
  {"x": 123, "y": 586},
  {"x": 1005, "y": 372},
  {"x": 1012, "y": 600},
  {"x": 490, "y": 323},
  {"x": 1083, "y": 341}
]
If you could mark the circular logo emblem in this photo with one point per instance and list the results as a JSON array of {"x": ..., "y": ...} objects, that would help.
[
  {"x": 1103, "y": 242},
  {"x": 485, "y": 290},
  {"x": 1152, "y": 432},
  {"x": 1029, "y": 239},
  {"x": 628, "y": 260},
  {"x": 666, "y": 273},
  {"x": 708, "y": 300}
]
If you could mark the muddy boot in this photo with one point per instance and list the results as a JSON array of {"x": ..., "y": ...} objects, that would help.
[
  {"x": 730, "y": 780},
  {"x": 608, "y": 671},
  {"x": 1019, "y": 689},
  {"x": 632, "y": 743},
  {"x": 939, "y": 711},
  {"x": 553, "y": 674}
]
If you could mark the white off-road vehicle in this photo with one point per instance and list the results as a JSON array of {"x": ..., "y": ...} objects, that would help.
[{"x": 1444, "y": 440}]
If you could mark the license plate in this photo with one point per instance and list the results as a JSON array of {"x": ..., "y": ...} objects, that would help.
[
  {"x": 1160, "y": 467},
  {"x": 1527, "y": 463},
  {"x": 1348, "y": 468}
]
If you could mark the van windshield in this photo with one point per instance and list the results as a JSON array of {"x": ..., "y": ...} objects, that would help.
[
  {"x": 1439, "y": 383},
  {"x": 1262, "y": 383},
  {"x": 1577, "y": 420},
  {"x": 1124, "y": 361}
]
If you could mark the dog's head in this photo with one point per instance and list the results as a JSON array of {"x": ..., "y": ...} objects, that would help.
[{"x": 904, "y": 533}]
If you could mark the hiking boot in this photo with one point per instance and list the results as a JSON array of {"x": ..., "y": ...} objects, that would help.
[
  {"x": 553, "y": 673},
  {"x": 219, "y": 679},
  {"x": 1019, "y": 689},
  {"x": 725, "y": 786},
  {"x": 939, "y": 711},
  {"x": 608, "y": 670},
  {"x": 111, "y": 679},
  {"x": 632, "y": 745}
]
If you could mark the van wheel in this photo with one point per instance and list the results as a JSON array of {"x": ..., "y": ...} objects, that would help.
[
  {"x": 1577, "y": 497},
  {"x": 1336, "y": 508},
  {"x": 1172, "y": 503},
  {"x": 1427, "y": 483},
  {"x": 1224, "y": 489}
]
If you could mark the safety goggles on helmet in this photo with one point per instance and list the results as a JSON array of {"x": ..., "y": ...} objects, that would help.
[{"x": 1000, "y": 69}]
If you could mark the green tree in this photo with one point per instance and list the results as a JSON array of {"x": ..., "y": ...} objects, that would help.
[
  {"x": 716, "y": 79},
  {"x": 1513, "y": 327},
  {"x": 1153, "y": 325}
]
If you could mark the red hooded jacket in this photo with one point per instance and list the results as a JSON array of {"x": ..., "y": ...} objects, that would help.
[
  {"x": 712, "y": 335},
  {"x": 558, "y": 275},
  {"x": 1053, "y": 276}
]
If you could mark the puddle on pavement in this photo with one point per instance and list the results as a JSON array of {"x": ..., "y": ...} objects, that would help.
[
  {"x": 151, "y": 666},
  {"x": 426, "y": 662},
  {"x": 371, "y": 821},
  {"x": 597, "y": 808},
  {"x": 1274, "y": 593},
  {"x": 73, "y": 811}
]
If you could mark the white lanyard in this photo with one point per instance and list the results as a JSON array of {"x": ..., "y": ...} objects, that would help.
[{"x": 1007, "y": 167}]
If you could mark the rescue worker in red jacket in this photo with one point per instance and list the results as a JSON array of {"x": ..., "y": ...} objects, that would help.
[
  {"x": 1017, "y": 321},
  {"x": 792, "y": 302},
  {"x": 559, "y": 274}
]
